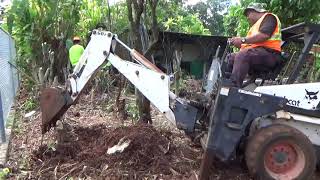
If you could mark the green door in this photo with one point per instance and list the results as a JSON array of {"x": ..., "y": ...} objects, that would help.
[{"x": 196, "y": 69}]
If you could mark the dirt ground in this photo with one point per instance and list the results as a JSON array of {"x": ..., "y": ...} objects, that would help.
[{"x": 78, "y": 148}]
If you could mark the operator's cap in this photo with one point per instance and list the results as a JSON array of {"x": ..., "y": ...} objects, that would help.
[
  {"x": 76, "y": 38},
  {"x": 258, "y": 7}
]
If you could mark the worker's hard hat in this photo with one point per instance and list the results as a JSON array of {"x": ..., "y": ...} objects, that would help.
[
  {"x": 258, "y": 7},
  {"x": 76, "y": 38}
]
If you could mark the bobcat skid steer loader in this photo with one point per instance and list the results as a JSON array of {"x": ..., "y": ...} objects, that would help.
[{"x": 276, "y": 128}]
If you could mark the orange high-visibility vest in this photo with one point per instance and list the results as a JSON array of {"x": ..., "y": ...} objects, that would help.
[{"x": 274, "y": 42}]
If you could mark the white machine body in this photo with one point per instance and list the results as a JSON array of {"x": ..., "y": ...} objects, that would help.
[
  {"x": 152, "y": 84},
  {"x": 303, "y": 96}
]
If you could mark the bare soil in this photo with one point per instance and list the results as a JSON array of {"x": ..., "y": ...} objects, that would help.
[
  {"x": 149, "y": 153},
  {"x": 77, "y": 148}
]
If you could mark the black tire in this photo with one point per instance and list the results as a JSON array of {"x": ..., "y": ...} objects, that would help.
[{"x": 278, "y": 151}]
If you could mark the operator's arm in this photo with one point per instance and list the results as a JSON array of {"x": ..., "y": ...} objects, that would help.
[
  {"x": 266, "y": 30},
  {"x": 260, "y": 37}
]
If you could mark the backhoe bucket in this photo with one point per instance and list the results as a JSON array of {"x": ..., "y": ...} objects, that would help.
[{"x": 54, "y": 102}]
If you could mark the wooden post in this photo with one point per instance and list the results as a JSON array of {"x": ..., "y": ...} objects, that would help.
[{"x": 177, "y": 68}]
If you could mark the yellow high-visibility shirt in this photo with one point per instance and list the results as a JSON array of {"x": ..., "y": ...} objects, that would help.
[{"x": 75, "y": 53}]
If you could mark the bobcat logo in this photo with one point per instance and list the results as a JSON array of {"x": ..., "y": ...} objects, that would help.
[{"x": 311, "y": 96}]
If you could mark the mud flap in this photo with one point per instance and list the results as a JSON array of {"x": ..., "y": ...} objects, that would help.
[{"x": 54, "y": 102}]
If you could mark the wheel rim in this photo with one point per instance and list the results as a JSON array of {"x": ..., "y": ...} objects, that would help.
[{"x": 284, "y": 160}]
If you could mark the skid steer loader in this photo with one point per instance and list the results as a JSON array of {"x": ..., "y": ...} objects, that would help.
[{"x": 275, "y": 127}]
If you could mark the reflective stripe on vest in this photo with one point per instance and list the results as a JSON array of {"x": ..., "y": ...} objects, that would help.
[{"x": 274, "y": 42}]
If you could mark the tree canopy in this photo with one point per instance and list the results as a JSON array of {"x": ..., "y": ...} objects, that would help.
[
  {"x": 290, "y": 12},
  {"x": 43, "y": 27}
]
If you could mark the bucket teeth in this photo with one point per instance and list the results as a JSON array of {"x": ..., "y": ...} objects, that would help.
[{"x": 54, "y": 102}]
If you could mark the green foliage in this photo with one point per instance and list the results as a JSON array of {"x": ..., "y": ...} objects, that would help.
[
  {"x": 187, "y": 24},
  {"x": 30, "y": 104},
  {"x": 169, "y": 9},
  {"x": 182, "y": 82},
  {"x": 119, "y": 18},
  {"x": 16, "y": 124},
  {"x": 10, "y": 120},
  {"x": 211, "y": 14},
  {"x": 47, "y": 25},
  {"x": 132, "y": 110},
  {"x": 235, "y": 22},
  {"x": 4, "y": 173},
  {"x": 290, "y": 12},
  {"x": 173, "y": 16},
  {"x": 33, "y": 23},
  {"x": 94, "y": 13},
  {"x": 294, "y": 11},
  {"x": 4, "y": 26}
]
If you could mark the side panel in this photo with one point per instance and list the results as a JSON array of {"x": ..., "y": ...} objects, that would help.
[
  {"x": 234, "y": 110},
  {"x": 305, "y": 96}
]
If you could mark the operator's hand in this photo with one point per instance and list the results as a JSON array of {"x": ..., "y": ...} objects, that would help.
[{"x": 236, "y": 41}]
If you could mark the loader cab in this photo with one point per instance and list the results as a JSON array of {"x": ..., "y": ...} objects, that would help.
[
  {"x": 301, "y": 36},
  {"x": 270, "y": 121}
]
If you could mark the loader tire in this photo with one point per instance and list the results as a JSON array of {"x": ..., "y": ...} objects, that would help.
[{"x": 280, "y": 152}]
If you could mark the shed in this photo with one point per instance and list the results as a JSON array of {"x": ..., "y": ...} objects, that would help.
[{"x": 193, "y": 53}]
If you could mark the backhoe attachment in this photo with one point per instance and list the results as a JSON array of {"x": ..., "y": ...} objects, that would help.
[
  {"x": 54, "y": 102},
  {"x": 145, "y": 76}
]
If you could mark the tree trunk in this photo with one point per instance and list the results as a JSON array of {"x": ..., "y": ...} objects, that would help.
[
  {"x": 60, "y": 59},
  {"x": 177, "y": 68},
  {"x": 135, "y": 10}
]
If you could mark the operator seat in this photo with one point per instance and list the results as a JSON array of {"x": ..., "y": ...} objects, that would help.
[{"x": 267, "y": 73}]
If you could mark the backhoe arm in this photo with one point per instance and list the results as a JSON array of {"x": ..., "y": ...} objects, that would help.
[{"x": 145, "y": 76}]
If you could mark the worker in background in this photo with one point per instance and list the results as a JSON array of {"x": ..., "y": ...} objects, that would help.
[
  {"x": 75, "y": 51},
  {"x": 261, "y": 48}
]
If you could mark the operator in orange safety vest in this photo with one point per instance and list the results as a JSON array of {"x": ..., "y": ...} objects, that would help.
[{"x": 260, "y": 49}]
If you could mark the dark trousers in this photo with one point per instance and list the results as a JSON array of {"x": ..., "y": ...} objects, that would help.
[{"x": 258, "y": 59}]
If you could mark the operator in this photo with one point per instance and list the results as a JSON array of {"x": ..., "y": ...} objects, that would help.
[
  {"x": 75, "y": 51},
  {"x": 260, "y": 49}
]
